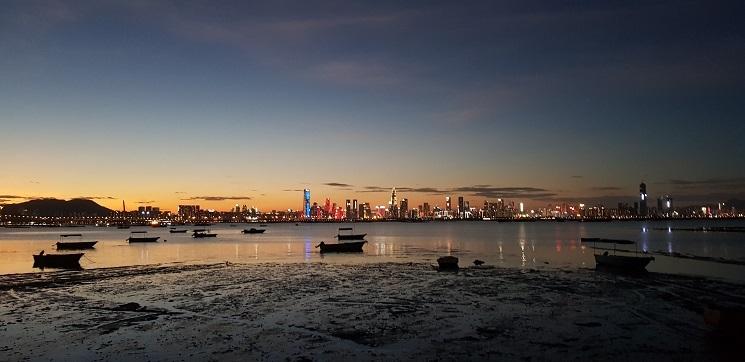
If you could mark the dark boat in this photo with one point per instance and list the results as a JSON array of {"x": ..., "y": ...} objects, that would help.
[
  {"x": 623, "y": 262},
  {"x": 353, "y": 247},
  {"x": 263, "y": 225},
  {"x": 203, "y": 233},
  {"x": 349, "y": 236},
  {"x": 74, "y": 245},
  {"x": 67, "y": 261},
  {"x": 253, "y": 231},
  {"x": 142, "y": 239},
  {"x": 122, "y": 227},
  {"x": 174, "y": 231}
]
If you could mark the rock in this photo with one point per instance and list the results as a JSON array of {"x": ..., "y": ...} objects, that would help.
[
  {"x": 130, "y": 307},
  {"x": 478, "y": 262},
  {"x": 448, "y": 263}
]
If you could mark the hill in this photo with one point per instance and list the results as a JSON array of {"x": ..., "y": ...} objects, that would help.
[{"x": 55, "y": 207}]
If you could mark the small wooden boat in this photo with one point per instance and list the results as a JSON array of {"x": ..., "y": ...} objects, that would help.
[
  {"x": 203, "y": 233},
  {"x": 74, "y": 245},
  {"x": 68, "y": 261},
  {"x": 263, "y": 225},
  {"x": 253, "y": 231},
  {"x": 350, "y": 235},
  {"x": 352, "y": 247},
  {"x": 447, "y": 263},
  {"x": 623, "y": 262},
  {"x": 133, "y": 238},
  {"x": 179, "y": 231}
]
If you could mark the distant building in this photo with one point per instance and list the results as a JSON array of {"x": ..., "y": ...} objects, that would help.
[
  {"x": 404, "y": 210},
  {"x": 643, "y": 207},
  {"x": 306, "y": 203},
  {"x": 188, "y": 211}
]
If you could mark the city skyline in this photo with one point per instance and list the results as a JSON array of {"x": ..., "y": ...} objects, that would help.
[{"x": 248, "y": 102}]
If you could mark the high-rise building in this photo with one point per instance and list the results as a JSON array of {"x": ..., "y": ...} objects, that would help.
[
  {"x": 425, "y": 210},
  {"x": 393, "y": 205},
  {"x": 348, "y": 211},
  {"x": 643, "y": 211},
  {"x": 404, "y": 210},
  {"x": 355, "y": 210},
  {"x": 461, "y": 207},
  {"x": 448, "y": 207},
  {"x": 306, "y": 203}
]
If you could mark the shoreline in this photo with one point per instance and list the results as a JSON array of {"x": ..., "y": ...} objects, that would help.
[{"x": 302, "y": 311}]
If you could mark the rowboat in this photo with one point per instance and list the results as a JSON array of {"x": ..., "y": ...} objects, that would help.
[
  {"x": 352, "y": 247},
  {"x": 67, "y": 261}
]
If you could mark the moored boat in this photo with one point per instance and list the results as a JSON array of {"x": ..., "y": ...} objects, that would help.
[
  {"x": 134, "y": 238},
  {"x": 203, "y": 233},
  {"x": 177, "y": 231},
  {"x": 74, "y": 245},
  {"x": 253, "y": 231},
  {"x": 350, "y": 235},
  {"x": 623, "y": 262},
  {"x": 351, "y": 247},
  {"x": 67, "y": 261}
]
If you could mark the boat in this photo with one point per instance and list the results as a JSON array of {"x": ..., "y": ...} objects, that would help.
[
  {"x": 350, "y": 247},
  {"x": 350, "y": 235},
  {"x": 66, "y": 261},
  {"x": 122, "y": 226},
  {"x": 263, "y": 225},
  {"x": 74, "y": 245},
  {"x": 177, "y": 231},
  {"x": 253, "y": 231},
  {"x": 624, "y": 263},
  {"x": 141, "y": 239},
  {"x": 203, "y": 233}
]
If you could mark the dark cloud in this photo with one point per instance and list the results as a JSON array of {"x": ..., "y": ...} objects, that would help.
[
  {"x": 577, "y": 176},
  {"x": 475, "y": 190},
  {"x": 96, "y": 197},
  {"x": 13, "y": 197},
  {"x": 337, "y": 184},
  {"x": 179, "y": 192},
  {"x": 292, "y": 190},
  {"x": 145, "y": 202},
  {"x": 710, "y": 182},
  {"x": 217, "y": 198}
]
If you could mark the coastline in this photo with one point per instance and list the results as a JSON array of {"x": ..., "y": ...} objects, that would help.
[{"x": 380, "y": 311}]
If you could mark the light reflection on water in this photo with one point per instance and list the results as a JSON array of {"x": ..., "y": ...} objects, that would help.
[{"x": 532, "y": 244}]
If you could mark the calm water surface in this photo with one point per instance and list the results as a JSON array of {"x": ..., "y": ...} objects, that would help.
[{"x": 527, "y": 245}]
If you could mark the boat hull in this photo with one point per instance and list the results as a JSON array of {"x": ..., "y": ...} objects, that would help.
[
  {"x": 147, "y": 239},
  {"x": 622, "y": 262},
  {"x": 76, "y": 245},
  {"x": 204, "y": 235},
  {"x": 355, "y": 247},
  {"x": 351, "y": 237},
  {"x": 177, "y": 231},
  {"x": 65, "y": 261},
  {"x": 253, "y": 231}
]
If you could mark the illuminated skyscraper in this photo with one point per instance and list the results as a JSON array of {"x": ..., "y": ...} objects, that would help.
[
  {"x": 461, "y": 207},
  {"x": 355, "y": 210},
  {"x": 393, "y": 207},
  {"x": 448, "y": 207},
  {"x": 643, "y": 211},
  {"x": 404, "y": 208},
  {"x": 348, "y": 211},
  {"x": 306, "y": 203}
]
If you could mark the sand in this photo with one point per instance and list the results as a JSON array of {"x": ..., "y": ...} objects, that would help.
[{"x": 391, "y": 311}]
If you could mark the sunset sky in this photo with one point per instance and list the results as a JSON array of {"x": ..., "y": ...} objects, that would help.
[{"x": 216, "y": 103}]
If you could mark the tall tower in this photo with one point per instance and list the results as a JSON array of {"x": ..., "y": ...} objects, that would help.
[
  {"x": 394, "y": 204},
  {"x": 643, "y": 211},
  {"x": 306, "y": 203}
]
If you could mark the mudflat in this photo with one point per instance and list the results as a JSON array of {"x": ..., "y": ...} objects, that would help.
[{"x": 390, "y": 311}]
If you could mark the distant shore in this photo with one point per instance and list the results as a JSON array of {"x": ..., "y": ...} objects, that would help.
[{"x": 318, "y": 311}]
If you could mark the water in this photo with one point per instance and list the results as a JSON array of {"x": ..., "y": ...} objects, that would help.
[{"x": 523, "y": 245}]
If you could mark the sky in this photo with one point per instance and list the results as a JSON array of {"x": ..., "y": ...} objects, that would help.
[{"x": 219, "y": 103}]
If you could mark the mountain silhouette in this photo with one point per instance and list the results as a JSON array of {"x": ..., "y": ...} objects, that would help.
[{"x": 56, "y": 207}]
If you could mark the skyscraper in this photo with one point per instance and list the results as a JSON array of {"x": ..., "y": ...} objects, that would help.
[
  {"x": 355, "y": 210},
  {"x": 393, "y": 205},
  {"x": 448, "y": 207},
  {"x": 349, "y": 209},
  {"x": 306, "y": 203},
  {"x": 643, "y": 211},
  {"x": 461, "y": 207},
  {"x": 404, "y": 208}
]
